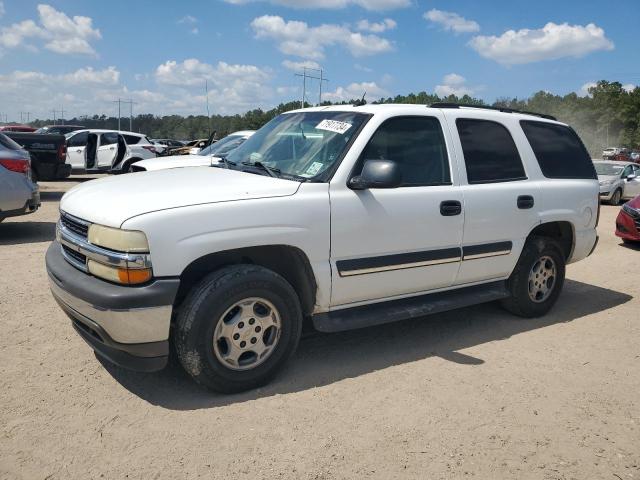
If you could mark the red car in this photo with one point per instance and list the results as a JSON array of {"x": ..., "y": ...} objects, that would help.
[
  {"x": 628, "y": 221},
  {"x": 17, "y": 128}
]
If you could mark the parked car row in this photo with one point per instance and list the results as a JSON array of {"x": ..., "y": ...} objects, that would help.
[
  {"x": 618, "y": 180},
  {"x": 621, "y": 154}
]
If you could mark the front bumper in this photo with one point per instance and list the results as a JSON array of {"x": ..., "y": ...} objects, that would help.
[
  {"x": 129, "y": 326},
  {"x": 627, "y": 227}
]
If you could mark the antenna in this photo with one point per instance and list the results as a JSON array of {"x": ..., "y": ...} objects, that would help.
[
  {"x": 361, "y": 102},
  {"x": 206, "y": 90}
]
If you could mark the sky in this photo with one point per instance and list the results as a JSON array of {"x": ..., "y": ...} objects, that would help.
[{"x": 81, "y": 56}]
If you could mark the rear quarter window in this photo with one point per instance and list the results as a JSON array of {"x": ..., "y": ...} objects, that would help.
[
  {"x": 132, "y": 139},
  {"x": 559, "y": 150}
]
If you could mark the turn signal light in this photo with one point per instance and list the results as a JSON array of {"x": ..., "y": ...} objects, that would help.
[{"x": 120, "y": 275}]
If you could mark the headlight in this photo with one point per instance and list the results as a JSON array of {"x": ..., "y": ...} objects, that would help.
[{"x": 129, "y": 241}]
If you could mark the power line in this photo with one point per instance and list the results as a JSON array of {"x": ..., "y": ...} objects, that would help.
[
  {"x": 131, "y": 104},
  {"x": 304, "y": 76}
]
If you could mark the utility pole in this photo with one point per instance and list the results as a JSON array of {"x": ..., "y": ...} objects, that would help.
[
  {"x": 118, "y": 102},
  {"x": 206, "y": 92},
  {"x": 306, "y": 75},
  {"x": 54, "y": 111}
]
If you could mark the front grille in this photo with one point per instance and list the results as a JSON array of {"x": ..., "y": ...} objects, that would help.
[
  {"x": 77, "y": 256},
  {"x": 79, "y": 228}
]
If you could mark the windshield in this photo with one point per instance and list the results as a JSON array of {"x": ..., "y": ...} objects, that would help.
[
  {"x": 223, "y": 146},
  {"x": 304, "y": 144},
  {"x": 608, "y": 169}
]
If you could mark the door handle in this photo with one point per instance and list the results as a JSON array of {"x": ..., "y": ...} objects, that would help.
[
  {"x": 450, "y": 208},
  {"x": 525, "y": 202},
  {"x": 79, "y": 150},
  {"x": 112, "y": 148}
]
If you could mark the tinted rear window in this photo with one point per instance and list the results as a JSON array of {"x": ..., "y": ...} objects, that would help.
[
  {"x": 559, "y": 150},
  {"x": 490, "y": 154},
  {"x": 132, "y": 139}
]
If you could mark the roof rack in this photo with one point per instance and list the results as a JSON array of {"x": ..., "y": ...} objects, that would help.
[{"x": 498, "y": 109}]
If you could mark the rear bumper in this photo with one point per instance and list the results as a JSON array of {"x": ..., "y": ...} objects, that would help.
[
  {"x": 129, "y": 326},
  {"x": 53, "y": 171},
  {"x": 30, "y": 206},
  {"x": 585, "y": 242}
]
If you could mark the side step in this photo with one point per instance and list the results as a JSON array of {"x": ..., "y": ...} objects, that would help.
[{"x": 394, "y": 310}]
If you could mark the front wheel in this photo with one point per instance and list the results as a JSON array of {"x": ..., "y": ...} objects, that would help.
[
  {"x": 537, "y": 280},
  {"x": 237, "y": 328},
  {"x": 616, "y": 197}
]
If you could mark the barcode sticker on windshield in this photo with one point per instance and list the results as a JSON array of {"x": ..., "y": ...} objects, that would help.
[{"x": 333, "y": 126}]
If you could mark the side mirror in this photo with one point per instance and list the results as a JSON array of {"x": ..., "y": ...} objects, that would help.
[
  {"x": 633, "y": 176},
  {"x": 377, "y": 174}
]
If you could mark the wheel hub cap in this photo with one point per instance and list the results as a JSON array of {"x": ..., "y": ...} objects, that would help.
[
  {"x": 542, "y": 279},
  {"x": 247, "y": 333}
]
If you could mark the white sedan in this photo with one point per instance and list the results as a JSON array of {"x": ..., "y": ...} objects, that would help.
[{"x": 204, "y": 158}]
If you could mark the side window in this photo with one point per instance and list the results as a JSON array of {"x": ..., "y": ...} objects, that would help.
[
  {"x": 108, "y": 139},
  {"x": 78, "y": 140},
  {"x": 490, "y": 154},
  {"x": 627, "y": 171},
  {"x": 559, "y": 150},
  {"x": 132, "y": 139},
  {"x": 417, "y": 145}
]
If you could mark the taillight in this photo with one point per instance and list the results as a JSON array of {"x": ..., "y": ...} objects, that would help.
[
  {"x": 62, "y": 152},
  {"x": 152, "y": 149},
  {"x": 18, "y": 166}
]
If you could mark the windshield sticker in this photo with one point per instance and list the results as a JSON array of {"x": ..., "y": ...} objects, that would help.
[
  {"x": 334, "y": 126},
  {"x": 313, "y": 169}
]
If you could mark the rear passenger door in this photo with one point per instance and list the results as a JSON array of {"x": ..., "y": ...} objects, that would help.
[
  {"x": 108, "y": 149},
  {"x": 397, "y": 241},
  {"x": 499, "y": 198}
]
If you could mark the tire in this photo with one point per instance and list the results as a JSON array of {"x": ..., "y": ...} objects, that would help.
[
  {"x": 208, "y": 325},
  {"x": 616, "y": 197},
  {"x": 538, "y": 254}
]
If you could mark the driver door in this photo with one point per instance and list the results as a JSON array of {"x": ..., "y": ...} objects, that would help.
[
  {"x": 395, "y": 242},
  {"x": 107, "y": 149}
]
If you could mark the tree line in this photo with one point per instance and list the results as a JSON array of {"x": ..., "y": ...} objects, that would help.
[{"x": 608, "y": 116}]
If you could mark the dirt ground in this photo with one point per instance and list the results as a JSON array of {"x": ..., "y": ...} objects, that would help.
[{"x": 475, "y": 393}]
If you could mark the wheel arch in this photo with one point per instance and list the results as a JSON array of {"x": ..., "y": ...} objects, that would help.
[
  {"x": 561, "y": 231},
  {"x": 288, "y": 261},
  {"x": 126, "y": 163}
]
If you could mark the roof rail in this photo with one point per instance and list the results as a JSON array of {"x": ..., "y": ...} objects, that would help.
[{"x": 498, "y": 109}]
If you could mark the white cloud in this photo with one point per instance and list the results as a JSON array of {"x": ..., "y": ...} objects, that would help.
[
  {"x": 296, "y": 66},
  {"x": 2, "y": 10},
  {"x": 373, "y": 27},
  {"x": 193, "y": 72},
  {"x": 362, "y": 68},
  {"x": 629, "y": 87},
  {"x": 376, "y": 5},
  {"x": 454, "y": 84},
  {"x": 188, "y": 19},
  {"x": 451, "y": 21},
  {"x": 551, "y": 42},
  {"x": 584, "y": 90},
  {"x": 355, "y": 91},
  {"x": 299, "y": 39},
  {"x": 58, "y": 32}
]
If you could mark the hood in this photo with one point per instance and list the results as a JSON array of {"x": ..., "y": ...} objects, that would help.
[
  {"x": 634, "y": 203},
  {"x": 111, "y": 201},
  {"x": 608, "y": 178},
  {"x": 174, "y": 161}
]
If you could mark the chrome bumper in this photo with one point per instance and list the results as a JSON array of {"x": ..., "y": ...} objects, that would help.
[{"x": 127, "y": 314}]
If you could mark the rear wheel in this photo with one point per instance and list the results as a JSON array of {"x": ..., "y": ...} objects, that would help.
[
  {"x": 237, "y": 328},
  {"x": 537, "y": 280}
]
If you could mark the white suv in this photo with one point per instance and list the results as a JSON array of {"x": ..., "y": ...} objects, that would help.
[
  {"x": 349, "y": 216},
  {"x": 108, "y": 150}
]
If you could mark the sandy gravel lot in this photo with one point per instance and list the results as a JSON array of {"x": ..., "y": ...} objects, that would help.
[{"x": 475, "y": 393}]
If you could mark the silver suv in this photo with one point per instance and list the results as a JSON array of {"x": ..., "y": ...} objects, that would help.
[{"x": 18, "y": 194}]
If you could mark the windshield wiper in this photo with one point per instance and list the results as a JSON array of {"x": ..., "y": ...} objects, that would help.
[
  {"x": 226, "y": 163},
  {"x": 273, "y": 172}
]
